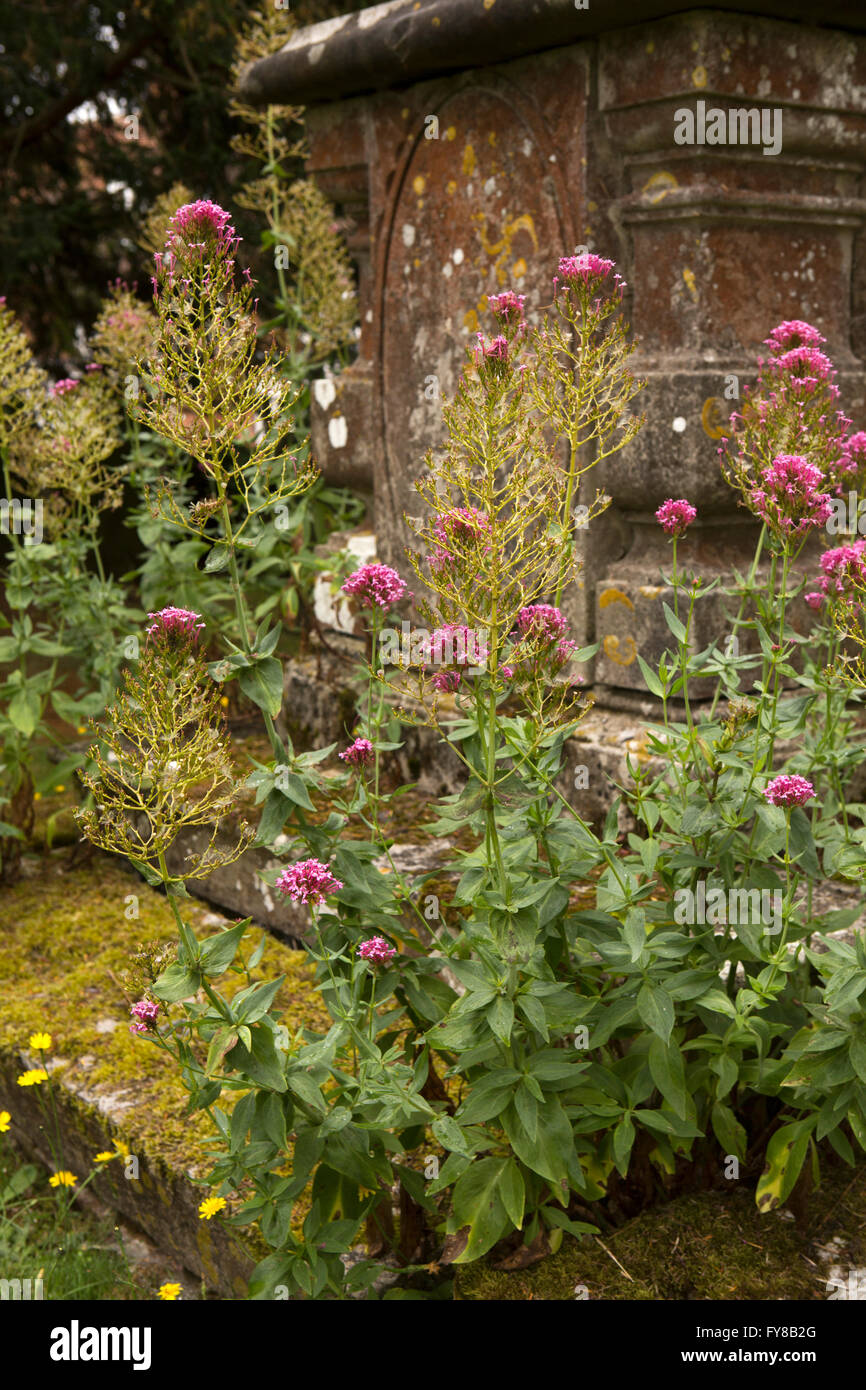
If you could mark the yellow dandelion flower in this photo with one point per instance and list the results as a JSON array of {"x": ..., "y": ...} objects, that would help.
[
  {"x": 34, "y": 1077},
  {"x": 61, "y": 788},
  {"x": 224, "y": 701},
  {"x": 121, "y": 1148},
  {"x": 37, "y": 796},
  {"x": 167, "y": 1292},
  {"x": 106, "y": 1157},
  {"x": 81, "y": 729},
  {"x": 210, "y": 1206},
  {"x": 40, "y": 1042},
  {"x": 63, "y": 1179},
  {"x": 5, "y": 1121}
]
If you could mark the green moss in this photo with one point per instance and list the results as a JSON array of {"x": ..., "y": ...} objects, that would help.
[
  {"x": 715, "y": 1245},
  {"x": 66, "y": 941}
]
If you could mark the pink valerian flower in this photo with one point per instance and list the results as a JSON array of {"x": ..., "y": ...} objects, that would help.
[
  {"x": 456, "y": 645},
  {"x": 844, "y": 573},
  {"x": 376, "y": 950},
  {"x": 173, "y": 620},
  {"x": 585, "y": 267},
  {"x": 492, "y": 355},
  {"x": 814, "y": 599},
  {"x": 446, "y": 681},
  {"x": 376, "y": 586},
  {"x": 63, "y": 387},
  {"x": 793, "y": 333},
  {"x": 145, "y": 1013},
  {"x": 541, "y": 620},
  {"x": 853, "y": 461},
  {"x": 309, "y": 881},
  {"x": 805, "y": 364},
  {"x": 675, "y": 516},
  {"x": 541, "y": 649},
  {"x": 507, "y": 306},
  {"x": 465, "y": 526},
  {"x": 790, "y": 502},
  {"x": 204, "y": 225},
  {"x": 358, "y": 753},
  {"x": 507, "y": 672},
  {"x": 788, "y": 790}
]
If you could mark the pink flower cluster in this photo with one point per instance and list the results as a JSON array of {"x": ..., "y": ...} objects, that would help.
[
  {"x": 358, "y": 753},
  {"x": 145, "y": 1013},
  {"x": 63, "y": 387},
  {"x": 376, "y": 950},
  {"x": 203, "y": 224},
  {"x": 172, "y": 620},
  {"x": 376, "y": 586},
  {"x": 853, "y": 461},
  {"x": 790, "y": 501},
  {"x": 844, "y": 575},
  {"x": 446, "y": 682},
  {"x": 675, "y": 516},
  {"x": 788, "y": 790},
  {"x": 310, "y": 881},
  {"x": 493, "y": 354},
  {"x": 584, "y": 267},
  {"x": 793, "y": 333},
  {"x": 541, "y": 620},
  {"x": 541, "y": 648},
  {"x": 806, "y": 366},
  {"x": 456, "y": 645},
  {"x": 466, "y": 526},
  {"x": 507, "y": 306}
]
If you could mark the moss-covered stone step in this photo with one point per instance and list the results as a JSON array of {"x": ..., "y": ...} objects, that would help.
[
  {"x": 66, "y": 937},
  {"x": 712, "y": 1245}
]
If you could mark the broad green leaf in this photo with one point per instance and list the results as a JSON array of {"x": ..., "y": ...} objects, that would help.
[
  {"x": 477, "y": 1202},
  {"x": 656, "y": 1010},
  {"x": 666, "y": 1069},
  {"x": 513, "y": 1192},
  {"x": 785, "y": 1155},
  {"x": 263, "y": 684}
]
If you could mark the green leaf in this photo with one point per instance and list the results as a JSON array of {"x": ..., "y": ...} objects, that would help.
[
  {"x": 513, "y": 1192},
  {"x": 253, "y": 1003},
  {"x": 728, "y": 1130},
  {"x": 217, "y": 559},
  {"x": 477, "y": 1202},
  {"x": 654, "y": 685},
  {"x": 23, "y": 711},
  {"x": 21, "y": 1179},
  {"x": 263, "y": 684},
  {"x": 176, "y": 983},
  {"x": 551, "y": 1150},
  {"x": 785, "y": 1155},
  {"x": 635, "y": 931},
  {"x": 666, "y": 1070},
  {"x": 218, "y": 952},
  {"x": 501, "y": 1017},
  {"x": 449, "y": 1134},
  {"x": 275, "y": 813},
  {"x": 623, "y": 1139},
  {"x": 655, "y": 1009},
  {"x": 857, "y": 1054},
  {"x": 674, "y": 624},
  {"x": 295, "y": 789}
]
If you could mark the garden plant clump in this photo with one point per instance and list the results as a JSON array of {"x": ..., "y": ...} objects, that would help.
[{"x": 592, "y": 1021}]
